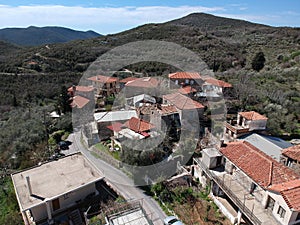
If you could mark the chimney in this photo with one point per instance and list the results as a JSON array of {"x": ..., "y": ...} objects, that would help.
[{"x": 29, "y": 185}]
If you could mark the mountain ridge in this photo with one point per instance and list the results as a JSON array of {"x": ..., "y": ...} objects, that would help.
[
  {"x": 34, "y": 36},
  {"x": 222, "y": 43}
]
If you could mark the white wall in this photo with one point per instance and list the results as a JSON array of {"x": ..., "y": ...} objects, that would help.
[
  {"x": 40, "y": 212},
  {"x": 279, "y": 201},
  {"x": 70, "y": 198},
  {"x": 257, "y": 125}
]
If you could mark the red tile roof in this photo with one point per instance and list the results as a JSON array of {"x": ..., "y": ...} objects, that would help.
[
  {"x": 82, "y": 88},
  {"x": 261, "y": 168},
  {"x": 125, "y": 80},
  {"x": 290, "y": 192},
  {"x": 79, "y": 102},
  {"x": 167, "y": 109},
  {"x": 161, "y": 109},
  {"x": 115, "y": 126},
  {"x": 292, "y": 152},
  {"x": 187, "y": 90},
  {"x": 103, "y": 79},
  {"x": 217, "y": 82},
  {"x": 145, "y": 82},
  {"x": 252, "y": 115},
  {"x": 182, "y": 101},
  {"x": 185, "y": 75},
  {"x": 138, "y": 125}
]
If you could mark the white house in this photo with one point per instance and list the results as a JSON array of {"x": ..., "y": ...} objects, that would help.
[
  {"x": 263, "y": 190},
  {"x": 55, "y": 187},
  {"x": 246, "y": 123}
]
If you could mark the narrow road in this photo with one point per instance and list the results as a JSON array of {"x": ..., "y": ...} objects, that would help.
[{"x": 119, "y": 181}]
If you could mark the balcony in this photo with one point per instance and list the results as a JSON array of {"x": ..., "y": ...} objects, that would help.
[
  {"x": 247, "y": 204},
  {"x": 236, "y": 128}
]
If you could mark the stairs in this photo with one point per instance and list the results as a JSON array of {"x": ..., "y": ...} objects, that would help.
[{"x": 75, "y": 217}]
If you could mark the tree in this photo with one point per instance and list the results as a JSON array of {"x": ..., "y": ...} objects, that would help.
[
  {"x": 63, "y": 100},
  {"x": 258, "y": 61}
]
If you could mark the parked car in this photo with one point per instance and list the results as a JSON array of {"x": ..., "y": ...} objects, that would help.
[
  {"x": 63, "y": 145},
  {"x": 172, "y": 220}
]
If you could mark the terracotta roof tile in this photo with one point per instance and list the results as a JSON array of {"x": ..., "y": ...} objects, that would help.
[
  {"x": 125, "y": 80},
  {"x": 182, "y": 101},
  {"x": 145, "y": 82},
  {"x": 82, "y": 88},
  {"x": 292, "y": 198},
  {"x": 217, "y": 82},
  {"x": 103, "y": 79},
  {"x": 115, "y": 126},
  {"x": 138, "y": 125},
  {"x": 187, "y": 90},
  {"x": 290, "y": 192},
  {"x": 261, "y": 168},
  {"x": 79, "y": 102},
  {"x": 252, "y": 115},
  {"x": 185, "y": 75},
  {"x": 168, "y": 109},
  {"x": 292, "y": 152},
  {"x": 161, "y": 109}
]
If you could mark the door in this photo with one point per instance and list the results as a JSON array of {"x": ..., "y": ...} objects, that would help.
[{"x": 55, "y": 204}]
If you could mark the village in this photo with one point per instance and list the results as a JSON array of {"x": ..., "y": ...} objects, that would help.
[{"x": 166, "y": 124}]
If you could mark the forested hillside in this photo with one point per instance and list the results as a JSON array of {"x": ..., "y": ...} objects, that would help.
[{"x": 262, "y": 63}]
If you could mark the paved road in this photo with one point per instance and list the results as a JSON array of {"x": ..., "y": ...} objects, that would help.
[{"x": 119, "y": 180}]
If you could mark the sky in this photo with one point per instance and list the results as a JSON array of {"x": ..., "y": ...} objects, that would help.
[{"x": 113, "y": 16}]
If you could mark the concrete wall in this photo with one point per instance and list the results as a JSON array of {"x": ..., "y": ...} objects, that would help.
[
  {"x": 40, "y": 212},
  {"x": 198, "y": 173},
  {"x": 279, "y": 201},
  {"x": 257, "y": 125},
  {"x": 224, "y": 210},
  {"x": 71, "y": 198},
  {"x": 293, "y": 218},
  {"x": 246, "y": 182}
]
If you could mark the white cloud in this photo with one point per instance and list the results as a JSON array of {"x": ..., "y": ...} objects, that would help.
[
  {"x": 103, "y": 19},
  {"x": 265, "y": 19}
]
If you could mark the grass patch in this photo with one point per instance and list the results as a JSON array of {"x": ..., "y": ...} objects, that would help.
[{"x": 104, "y": 148}]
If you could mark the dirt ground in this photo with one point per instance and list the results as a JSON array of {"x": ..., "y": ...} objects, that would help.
[{"x": 201, "y": 213}]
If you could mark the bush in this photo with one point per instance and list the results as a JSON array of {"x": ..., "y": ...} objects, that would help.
[{"x": 258, "y": 61}]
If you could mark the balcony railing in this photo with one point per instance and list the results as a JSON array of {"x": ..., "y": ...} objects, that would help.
[
  {"x": 236, "y": 129},
  {"x": 242, "y": 207}
]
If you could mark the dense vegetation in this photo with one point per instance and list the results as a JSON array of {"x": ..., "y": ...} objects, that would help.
[
  {"x": 191, "y": 203},
  {"x": 32, "y": 79}
]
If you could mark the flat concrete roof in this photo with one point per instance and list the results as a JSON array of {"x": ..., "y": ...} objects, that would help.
[
  {"x": 131, "y": 218},
  {"x": 53, "y": 179},
  {"x": 211, "y": 152},
  {"x": 113, "y": 116}
]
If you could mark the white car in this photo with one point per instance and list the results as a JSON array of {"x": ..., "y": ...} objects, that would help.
[{"x": 172, "y": 220}]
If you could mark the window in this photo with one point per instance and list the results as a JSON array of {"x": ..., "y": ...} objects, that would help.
[
  {"x": 270, "y": 203},
  {"x": 252, "y": 188},
  {"x": 281, "y": 212}
]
